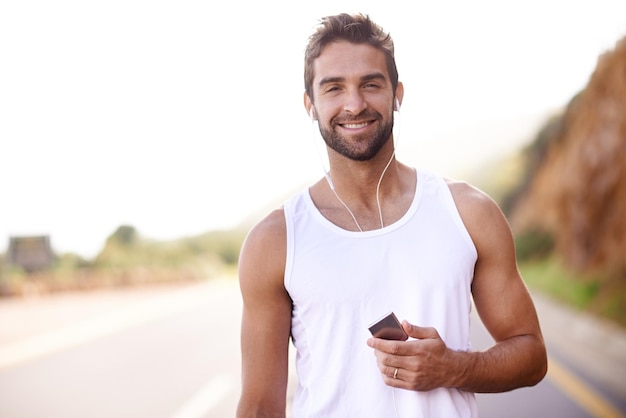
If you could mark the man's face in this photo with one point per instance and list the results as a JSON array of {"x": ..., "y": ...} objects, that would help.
[{"x": 353, "y": 99}]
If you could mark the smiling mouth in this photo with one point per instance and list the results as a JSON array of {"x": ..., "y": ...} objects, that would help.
[{"x": 355, "y": 125}]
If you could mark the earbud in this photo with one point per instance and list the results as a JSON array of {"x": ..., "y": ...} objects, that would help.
[
  {"x": 312, "y": 114},
  {"x": 397, "y": 105}
]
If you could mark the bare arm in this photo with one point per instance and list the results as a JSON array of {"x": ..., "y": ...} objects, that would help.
[
  {"x": 518, "y": 357},
  {"x": 266, "y": 321}
]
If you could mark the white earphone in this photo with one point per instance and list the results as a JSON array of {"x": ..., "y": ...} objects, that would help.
[{"x": 397, "y": 105}]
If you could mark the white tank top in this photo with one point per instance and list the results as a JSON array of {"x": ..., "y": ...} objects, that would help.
[{"x": 420, "y": 267}]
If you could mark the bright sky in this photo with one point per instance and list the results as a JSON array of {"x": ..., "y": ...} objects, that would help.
[{"x": 183, "y": 117}]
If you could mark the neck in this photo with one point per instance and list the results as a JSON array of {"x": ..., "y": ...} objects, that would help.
[
  {"x": 378, "y": 204},
  {"x": 359, "y": 180}
]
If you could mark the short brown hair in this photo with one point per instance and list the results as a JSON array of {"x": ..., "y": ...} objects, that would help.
[{"x": 357, "y": 29}]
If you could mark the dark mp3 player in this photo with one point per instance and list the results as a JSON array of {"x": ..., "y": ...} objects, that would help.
[{"x": 388, "y": 328}]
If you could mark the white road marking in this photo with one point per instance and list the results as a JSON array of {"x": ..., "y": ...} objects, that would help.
[{"x": 207, "y": 397}]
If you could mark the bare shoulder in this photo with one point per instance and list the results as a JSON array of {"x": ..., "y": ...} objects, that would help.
[
  {"x": 483, "y": 219},
  {"x": 262, "y": 258},
  {"x": 473, "y": 204},
  {"x": 269, "y": 230}
]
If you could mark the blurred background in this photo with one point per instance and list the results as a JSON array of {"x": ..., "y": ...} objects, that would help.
[{"x": 139, "y": 141}]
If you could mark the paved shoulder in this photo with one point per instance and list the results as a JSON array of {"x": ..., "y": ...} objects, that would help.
[{"x": 596, "y": 346}]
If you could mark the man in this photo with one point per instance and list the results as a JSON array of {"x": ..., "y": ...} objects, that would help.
[{"x": 376, "y": 236}]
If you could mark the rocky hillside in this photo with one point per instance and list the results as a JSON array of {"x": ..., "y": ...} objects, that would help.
[{"x": 575, "y": 188}]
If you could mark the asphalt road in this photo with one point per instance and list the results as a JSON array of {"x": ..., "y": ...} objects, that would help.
[{"x": 173, "y": 352}]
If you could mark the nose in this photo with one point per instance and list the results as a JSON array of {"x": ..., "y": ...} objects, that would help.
[{"x": 355, "y": 103}]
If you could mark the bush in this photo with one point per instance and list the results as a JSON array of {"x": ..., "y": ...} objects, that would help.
[{"x": 534, "y": 244}]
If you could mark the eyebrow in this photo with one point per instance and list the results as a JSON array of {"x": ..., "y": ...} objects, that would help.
[{"x": 368, "y": 77}]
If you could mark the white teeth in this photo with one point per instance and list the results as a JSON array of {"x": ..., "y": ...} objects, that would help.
[{"x": 355, "y": 125}]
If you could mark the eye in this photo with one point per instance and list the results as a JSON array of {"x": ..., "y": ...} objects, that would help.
[{"x": 371, "y": 86}]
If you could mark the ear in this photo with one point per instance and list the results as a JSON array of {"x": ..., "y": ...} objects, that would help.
[
  {"x": 308, "y": 105},
  {"x": 399, "y": 96}
]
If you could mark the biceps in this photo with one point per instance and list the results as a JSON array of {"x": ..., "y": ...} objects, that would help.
[
  {"x": 265, "y": 330},
  {"x": 501, "y": 297},
  {"x": 507, "y": 312},
  {"x": 264, "y": 345}
]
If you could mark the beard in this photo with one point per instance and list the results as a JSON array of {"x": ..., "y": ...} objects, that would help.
[{"x": 375, "y": 141}]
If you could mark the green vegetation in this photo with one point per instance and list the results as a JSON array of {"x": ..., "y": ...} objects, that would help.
[
  {"x": 542, "y": 271},
  {"x": 551, "y": 278},
  {"x": 534, "y": 244},
  {"x": 128, "y": 259},
  {"x": 596, "y": 292},
  {"x": 588, "y": 292}
]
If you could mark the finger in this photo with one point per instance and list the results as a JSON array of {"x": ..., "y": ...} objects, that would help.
[
  {"x": 390, "y": 372},
  {"x": 397, "y": 381},
  {"x": 387, "y": 346},
  {"x": 418, "y": 332},
  {"x": 396, "y": 373}
]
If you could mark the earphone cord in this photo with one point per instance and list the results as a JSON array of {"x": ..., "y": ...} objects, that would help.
[
  {"x": 332, "y": 186},
  {"x": 396, "y": 139},
  {"x": 395, "y": 407},
  {"x": 380, "y": 210}
]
